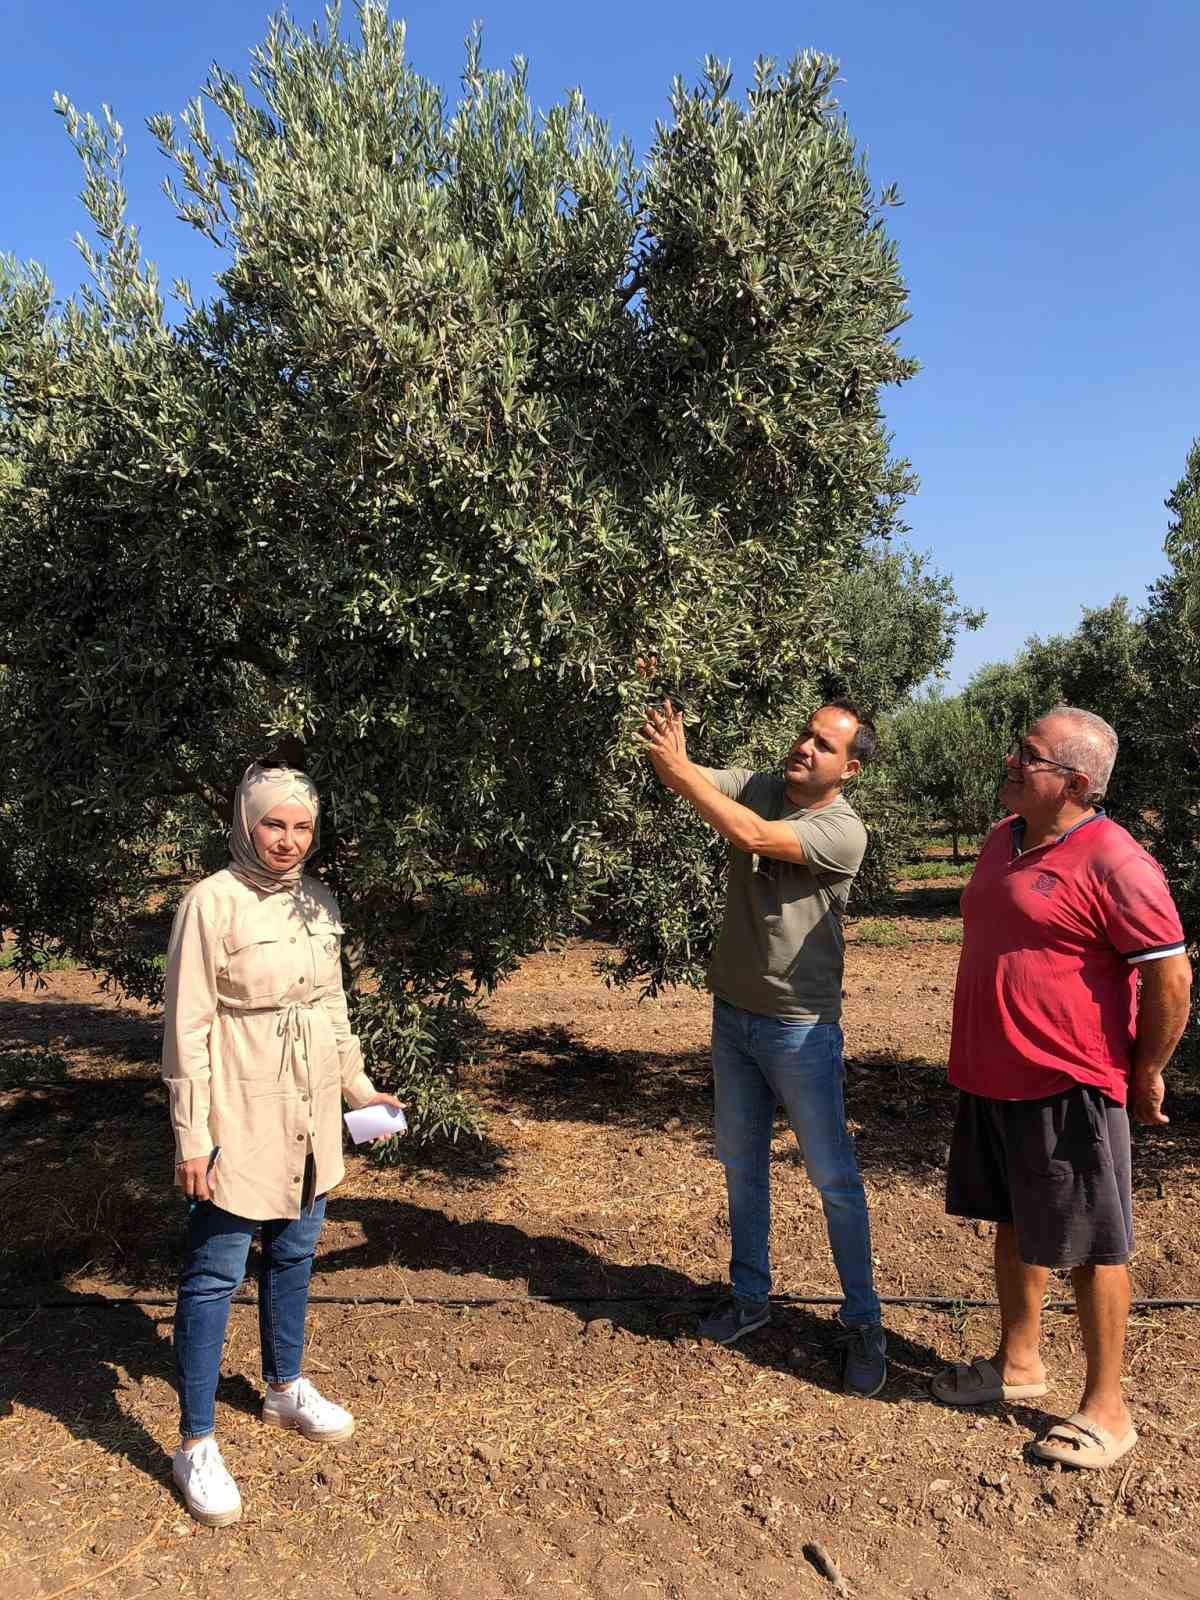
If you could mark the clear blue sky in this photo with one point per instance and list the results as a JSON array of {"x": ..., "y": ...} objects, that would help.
[{"x": 1049, "y": 158}]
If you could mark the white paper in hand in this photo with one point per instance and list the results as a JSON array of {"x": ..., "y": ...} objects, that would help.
[{"x": 375, "y": 1122}]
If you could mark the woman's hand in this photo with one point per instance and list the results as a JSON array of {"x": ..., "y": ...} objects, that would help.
[
  {"x": 193, "y": 1177},
  {"x": 386, "y": 1100}
]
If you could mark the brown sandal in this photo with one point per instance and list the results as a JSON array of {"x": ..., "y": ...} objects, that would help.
[{"x": 979, "y": 1384}]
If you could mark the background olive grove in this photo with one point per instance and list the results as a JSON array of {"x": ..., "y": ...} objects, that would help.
[{"x": 1138, "y": 668}]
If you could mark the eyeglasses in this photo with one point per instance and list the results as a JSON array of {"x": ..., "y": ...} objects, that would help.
[{"x": 1020, "y": 752}]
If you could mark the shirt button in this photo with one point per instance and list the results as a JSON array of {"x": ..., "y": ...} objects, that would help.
[
  {"x": 299, "y": 1138},
  {"x": 295, "y": 1180},
  {"x": 303, "y": 1098},
  {"x": 299, "y": 980},
  {"x": 292, "y": 940}
]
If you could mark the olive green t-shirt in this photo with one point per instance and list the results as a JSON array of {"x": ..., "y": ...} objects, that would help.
[{"x": 781, "y": 949}]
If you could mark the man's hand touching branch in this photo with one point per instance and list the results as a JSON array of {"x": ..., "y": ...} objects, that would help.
[
  {"x": 666, "y": 745},
  {"x": 662, "y": 734}
]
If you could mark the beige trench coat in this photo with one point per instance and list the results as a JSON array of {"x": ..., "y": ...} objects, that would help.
[{"x": 257, "y": 1050}]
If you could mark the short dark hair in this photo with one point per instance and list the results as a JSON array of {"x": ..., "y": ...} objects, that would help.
[{"x": 866, "y": 740}]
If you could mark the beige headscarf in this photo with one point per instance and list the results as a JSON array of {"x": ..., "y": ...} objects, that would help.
[{"x": 261, "y": 789}]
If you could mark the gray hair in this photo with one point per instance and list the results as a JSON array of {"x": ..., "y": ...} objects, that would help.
[{"x": 1090, "y": 747}]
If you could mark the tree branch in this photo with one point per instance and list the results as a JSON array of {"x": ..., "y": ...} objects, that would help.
[
  {"x": 187, "y": 783},
  {"x": 255, "y": 655},
  {"x": 635, "y": 286}
]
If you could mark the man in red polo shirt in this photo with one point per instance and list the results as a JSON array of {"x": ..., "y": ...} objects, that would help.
[{"x": 1065, "y": 918}]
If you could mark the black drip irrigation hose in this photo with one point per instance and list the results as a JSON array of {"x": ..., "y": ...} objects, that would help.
[{"x": 933, "y": 1302}]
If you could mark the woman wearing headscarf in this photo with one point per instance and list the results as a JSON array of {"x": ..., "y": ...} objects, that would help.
[{"x": 257, "y": 1057}]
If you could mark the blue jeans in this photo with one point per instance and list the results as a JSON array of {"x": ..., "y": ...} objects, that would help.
[
  {"x": 759, "y": 1062},
  {"x": 218, "y": 1244}
]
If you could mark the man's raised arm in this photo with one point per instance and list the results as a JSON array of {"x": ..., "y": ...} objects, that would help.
[{"x": 663, "y": 735}]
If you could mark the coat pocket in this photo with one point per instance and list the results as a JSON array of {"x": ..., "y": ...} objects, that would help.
[
  {"x": 325, "y": 941},
  {"x": 253, "y": 963}
]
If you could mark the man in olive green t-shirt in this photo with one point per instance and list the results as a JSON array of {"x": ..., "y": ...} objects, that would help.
[{"x": 776, "y": 977}]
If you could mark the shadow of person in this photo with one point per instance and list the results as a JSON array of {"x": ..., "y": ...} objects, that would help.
[
  {"x": 811, "y": 1344},
  {"x": 114, "y": 1214},
  {"x": 93, "y": 1369},
  {"x": 442, "y": 1258},
  {"x": 90, "y": 1197},
  {"x": 84, "y": 1158}
]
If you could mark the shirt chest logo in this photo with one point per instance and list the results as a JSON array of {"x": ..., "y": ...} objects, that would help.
[{"x": 1045, "y": 883}]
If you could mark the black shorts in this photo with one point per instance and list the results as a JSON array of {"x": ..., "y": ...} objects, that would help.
[{"x": 1057, "y": 1169}]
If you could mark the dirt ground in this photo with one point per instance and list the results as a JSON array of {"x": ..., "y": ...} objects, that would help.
[{"x": 508, "y": 1445}]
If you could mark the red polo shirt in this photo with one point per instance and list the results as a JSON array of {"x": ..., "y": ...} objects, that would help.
[{"x": 1047, "y": 985}]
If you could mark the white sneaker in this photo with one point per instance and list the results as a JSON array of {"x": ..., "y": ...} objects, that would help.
[
  {"x": 303, "y": 1408},
  {"x": 209, "y": 1493}
]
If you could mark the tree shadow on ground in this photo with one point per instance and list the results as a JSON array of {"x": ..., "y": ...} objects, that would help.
[
  {"x": 87, "y": 1180},
  {"x": 902, "y": 1107},
  {"x": 77, "y": 1025},
  {"x": 550, "y": 1074},
  {"x": 83, "y": 1365},
  {"x": 90, "y": 1187},
  {"x": 117, "y": 1123},
  {"x": 93, "y": 1151},
  {"x": 92, "y": 1142}
]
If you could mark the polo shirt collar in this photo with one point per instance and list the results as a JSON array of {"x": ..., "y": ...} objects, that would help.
[{"x": 1017, "y": 829}]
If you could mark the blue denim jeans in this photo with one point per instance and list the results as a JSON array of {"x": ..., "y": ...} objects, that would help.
[
  {"x": 759, "y": 1062},
  {"x": 218, "y": 1245}
]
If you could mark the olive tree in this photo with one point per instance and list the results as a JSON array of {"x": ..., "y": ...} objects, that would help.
[
  {"x": 1100, "y": 667},
  {"x": 479, "y": 410},
  {"x": 948, "y": 760},
  {"x": 1164, "y": 737}
]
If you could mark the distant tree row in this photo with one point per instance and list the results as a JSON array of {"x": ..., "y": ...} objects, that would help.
[
  {"x": 1139, "y": 669},
  {"x": 948, "y": 751}
]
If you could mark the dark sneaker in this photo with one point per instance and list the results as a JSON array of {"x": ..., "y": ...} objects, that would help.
[
  {"x": 865, "y": 1370},
  {"x": 733, "y": 1318}
]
